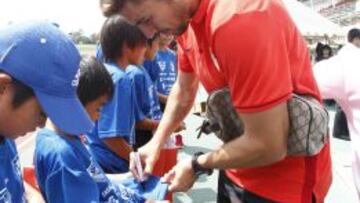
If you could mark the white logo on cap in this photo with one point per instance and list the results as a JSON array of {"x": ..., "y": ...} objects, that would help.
[
  {"x": 75, "y": 82},
  {"x": 43, "y": 40}
]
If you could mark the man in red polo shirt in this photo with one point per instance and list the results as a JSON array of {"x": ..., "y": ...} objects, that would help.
[{"x": 254, "y": 48}]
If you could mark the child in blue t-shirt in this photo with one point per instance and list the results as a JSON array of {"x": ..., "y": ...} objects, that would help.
[
  {"x": 166, "y": 59},
  {"x": 66, "y": 172},
  {"x": 146, "y": 94},
  {"x": 38, "y": 68},
  {"x": 113, "y": 137}
]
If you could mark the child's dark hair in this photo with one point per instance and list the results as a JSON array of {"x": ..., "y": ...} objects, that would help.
[
  {"x": 352, "y": 34},
  {"x": 22, "y": 92},
  {"x": 94, "y": 82},
  {"x": 117, "y": 32}
]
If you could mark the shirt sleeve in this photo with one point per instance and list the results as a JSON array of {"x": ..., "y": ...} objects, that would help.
[
  {"x": 139, "y": 116},
  {"x": 329, "y": 77},
  {"x": 67, "y": 185},
  {"x": 253, "y": 56},
  {"x": 141, "y": 96},
  {"x": 117, "y": 116},
  {"x": 152, "y": 68},
  {"x": 183, "y": 62}
]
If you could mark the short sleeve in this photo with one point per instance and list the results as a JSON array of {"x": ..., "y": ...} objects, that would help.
[
  {"x": 117, "y": 116},
  {"x": 330, "y": 78},
  {"x": 67, "y": 185},
  {"x": 138, "y": 110},
  {"x": 141, "y": 95},
  {"x": 183, "y": 62},
  {"x": 152, "y": 67},
  {"x": 253, "y": 54}
]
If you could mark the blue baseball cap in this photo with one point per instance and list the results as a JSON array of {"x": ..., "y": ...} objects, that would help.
[{"x": 42, "y": 57}]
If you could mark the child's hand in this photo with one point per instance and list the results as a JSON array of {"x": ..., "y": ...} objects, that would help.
[{"x": 119, "y": 177}]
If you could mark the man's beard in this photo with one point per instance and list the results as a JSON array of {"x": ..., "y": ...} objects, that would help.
[{"x": 181, "y": 28}]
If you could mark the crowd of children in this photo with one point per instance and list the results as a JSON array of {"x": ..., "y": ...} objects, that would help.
[{"x": 100, "y": 110}]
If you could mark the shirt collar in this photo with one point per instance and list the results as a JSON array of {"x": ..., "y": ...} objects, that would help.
[{"x": 201, "y": 11}]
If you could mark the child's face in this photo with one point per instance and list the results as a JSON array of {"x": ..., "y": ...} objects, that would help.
[
  {"x": 25, "y": 118},
  {"x": 326, "y": 53},
  {"x": 165, "y": 40},
  {"x": 136, "y": 55},
  {"x": 93, "y": 108}
]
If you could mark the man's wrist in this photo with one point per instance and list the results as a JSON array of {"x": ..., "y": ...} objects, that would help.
[
  {"x": 199, "y": 164},
  {"x": 202, "y": 160}
]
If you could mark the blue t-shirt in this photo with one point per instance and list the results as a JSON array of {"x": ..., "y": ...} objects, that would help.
[
  {"x": 152, "y": 67},
  {"x": 166, "y": 59},
  {"x": 67, "y": 173},
  {"x": 118, "y": 117},
  {"x": 11, "y": 182},
  {"x": 146, "y": 94}
]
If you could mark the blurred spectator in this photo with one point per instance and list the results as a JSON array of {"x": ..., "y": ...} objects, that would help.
[
  {"x": 354, "y": 37},
  {"x": 338, "y": 79},
  {"x": 323, "y": 51}
]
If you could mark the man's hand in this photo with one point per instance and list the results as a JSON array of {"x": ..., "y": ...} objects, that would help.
[
  {"x": 149, "y": 154},
  {"x": 181, "y": 177}
]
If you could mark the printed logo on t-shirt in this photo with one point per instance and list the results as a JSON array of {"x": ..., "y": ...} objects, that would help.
[
  {"x": 162, "y": 65},
  {"x": 172, "y": 67},
  {"x": 95, "y": 172},
  {"x": 127, "y": 195},
  {"x": 5, "y": 196},
  {"x": 110, "y": 194},
  {"x": 16, "y": 166},
  {"x": 150, "y": 92},
  {"x": 75, "y": 81},
  {"x": 112, "y": 199}
]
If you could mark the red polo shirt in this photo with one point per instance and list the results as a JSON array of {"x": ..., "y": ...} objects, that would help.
[{"x": 262, "y": 57}]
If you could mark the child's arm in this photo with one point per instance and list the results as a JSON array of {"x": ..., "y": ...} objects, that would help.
[
  {"x": 162, "y": 97},
  {"x": 147, "y": 124},
  {"x": 119, "y": 146},
  {"x": 119, "y": 177}
]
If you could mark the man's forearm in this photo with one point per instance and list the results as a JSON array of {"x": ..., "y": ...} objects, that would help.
[
  {"x": 178, "y": 106},
  {"x": 243, "y": 152},
  {"x": 264, "y": 141}
]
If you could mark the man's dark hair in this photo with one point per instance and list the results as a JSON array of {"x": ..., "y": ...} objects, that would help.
[
  {"x": 111, "y": 7},
  {"x": 94, "y": 82},
  {"x": 352, "y": 34},
  {"x": 22, "y": 92},
  {"x": 117, "y": 32}
]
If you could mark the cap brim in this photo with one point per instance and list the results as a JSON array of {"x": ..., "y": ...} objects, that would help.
[{"x": 68, "y": 114}]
